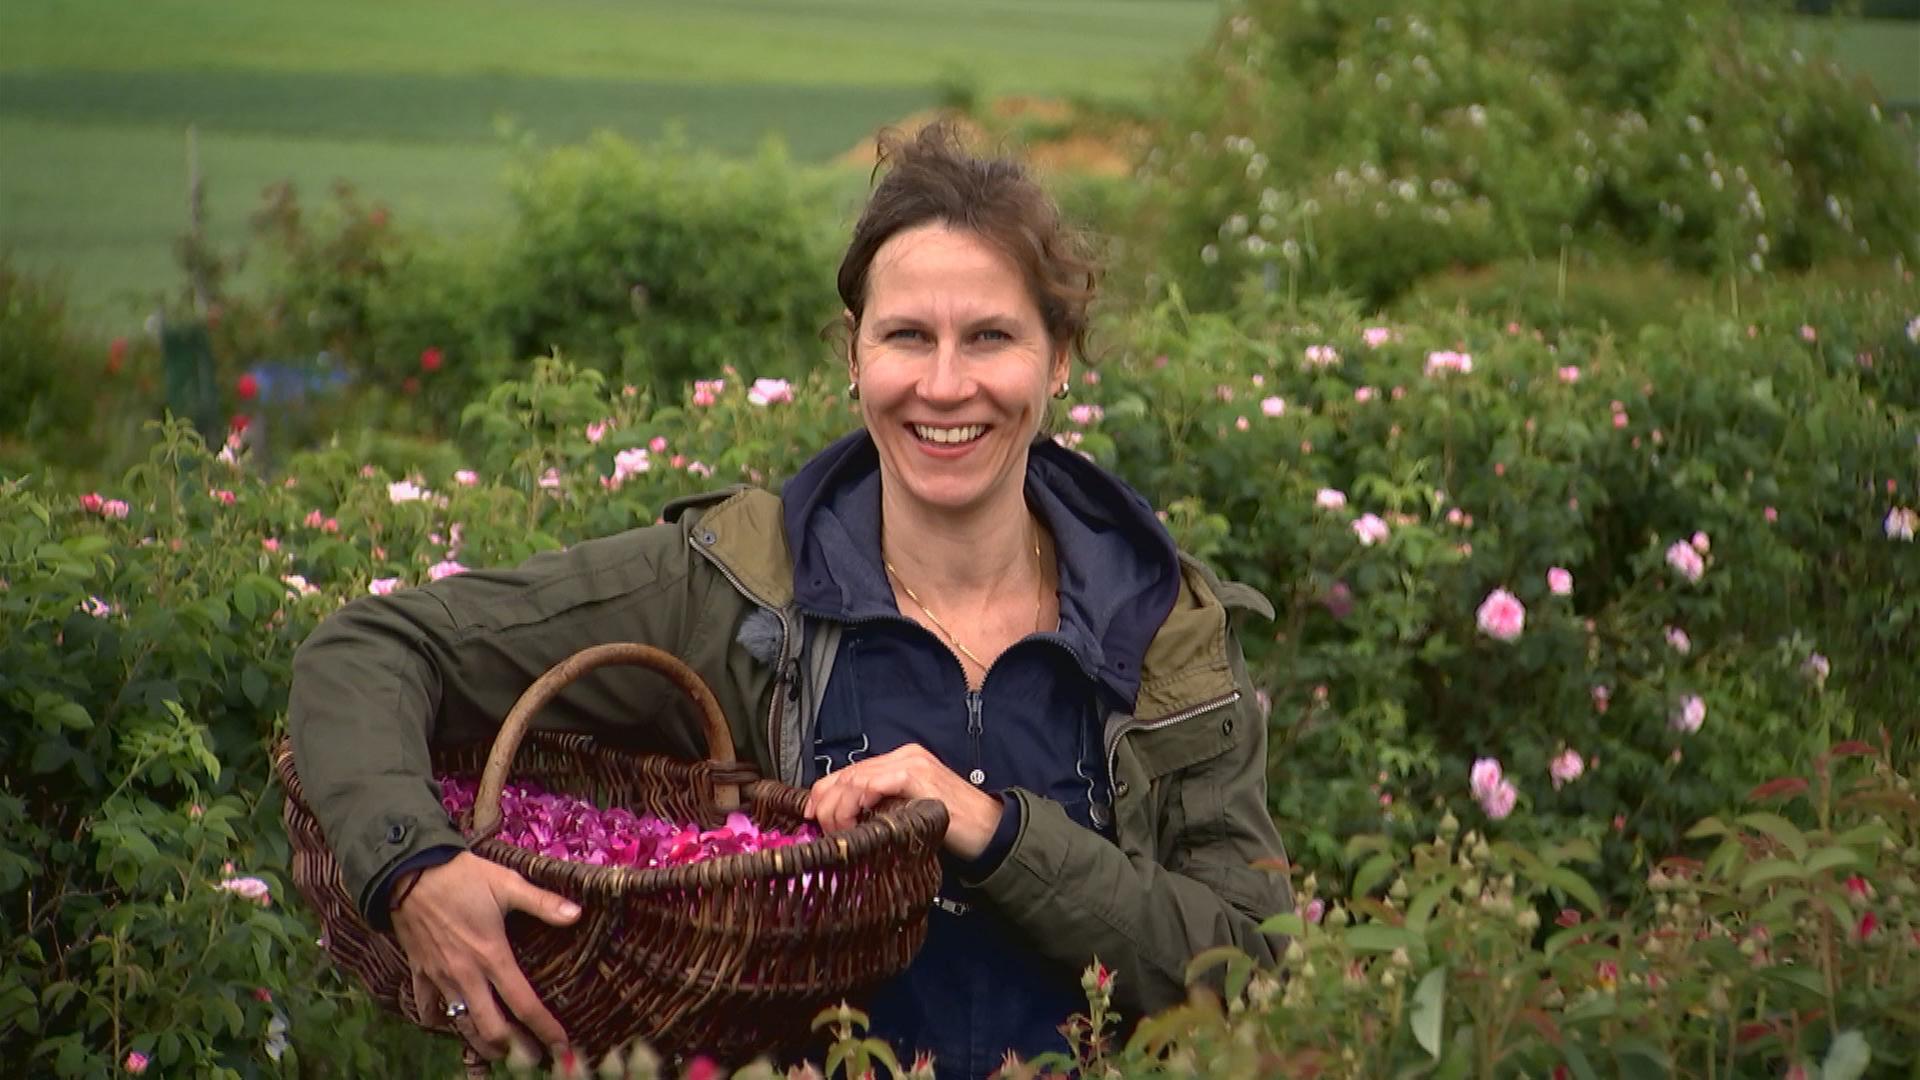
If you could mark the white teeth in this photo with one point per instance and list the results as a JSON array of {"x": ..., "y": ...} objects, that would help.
[{"x": 950, "y": 436}]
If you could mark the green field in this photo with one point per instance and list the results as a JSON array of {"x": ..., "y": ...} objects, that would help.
[{"x": 405, "y": 100}]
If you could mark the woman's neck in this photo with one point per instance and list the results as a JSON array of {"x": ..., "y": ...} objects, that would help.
[{"x": 959, "y": 555}]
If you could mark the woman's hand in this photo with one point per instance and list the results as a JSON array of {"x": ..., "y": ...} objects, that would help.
[
  {"x": 838, "y": 799},
  {"x": 452, "y": 926}
]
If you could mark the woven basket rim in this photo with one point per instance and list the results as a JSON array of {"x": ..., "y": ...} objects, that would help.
[
  {"x": 791, "y": 861},
  {"x": 823, "y": 853}
]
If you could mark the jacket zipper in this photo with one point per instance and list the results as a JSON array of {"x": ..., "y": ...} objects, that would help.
[
  {"x": 785, "y": 663},
  {"x": 1113, "y": 746}
]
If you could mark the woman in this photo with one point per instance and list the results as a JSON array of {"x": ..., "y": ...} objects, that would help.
[{"x": 942, "y": 605}]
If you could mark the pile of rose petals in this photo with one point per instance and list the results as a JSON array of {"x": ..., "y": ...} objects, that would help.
[{"x": 571, "y": 828}]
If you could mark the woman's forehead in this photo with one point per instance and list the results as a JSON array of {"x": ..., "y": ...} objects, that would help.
[{"x": 937, "y": 270}]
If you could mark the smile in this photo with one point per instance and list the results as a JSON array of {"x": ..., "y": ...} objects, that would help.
[{"x": 952, "y": 436}]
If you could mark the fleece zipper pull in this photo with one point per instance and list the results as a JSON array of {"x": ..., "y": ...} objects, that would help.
[{"x": 978, "y": 776}]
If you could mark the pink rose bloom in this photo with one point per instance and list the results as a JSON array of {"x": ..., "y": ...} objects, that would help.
[
  {"x": 598, "y": 430},
  {"x": 1502, "y": 616},
  {"x": 1500, "y": 803},
  {"x": 699, "y": 468},
  {"x": 769, "y": 391},
  {"x": 403, "y": 491},
  {"x": 1316, "y": 910},
  {"x": 1322, "y": 356},
  {"x": 1397, "y": 393},
  {"x": 1371, "y": 529},
  {"x": 96, "y": 607},
  {"x": 707, "y": 391},
  {"x": 270, "y": 543},
  {"x": 1085, "y": 414},
  {"x": 1363, "y": 394},
  {"x": 1569, "y": 374},
  {"x": 222, "y": 496},
  {"x": 1376, "y": 336},
  {"x": 1566, "y": 767},
  {"x": 1682, "y": 557},
  {"x": 1455, "y": 515},
  {"x": 1700, "y": 543},
  {"x": 1273, "y": 406},
  {"x": 1770, "y": 514},
  {"x": 1690, "y": 715},
  {"x": 1259, "y": 379},
  {"x": 315, "y": 518},
  {"x": 1484, "y": 777},
  {"x": 447, "y": 568},
  {"x": 1901, "y": 523},
  {"x": 251, "y": 888},
  {"x": 1069, "y": 439},
  {"x": 1601, "y": 696},
  {"x": 366, "y": 472},
  {"x": 136, "y": 1062},
  {"x": 91, "y": 502},
  {"x": 550, "y": 478},
  {"x": 466, "y": 478},
  {"x": 1808, "y": 334},
  {"x": 114, "y": 508},
  {"x": 1241, "y": 423},
  {"x": 299, "y": 585},
  {"x": 1446, "y": 361},
  {"x": 1223, "y": 392},
  {"x": 383, "y": 586},
  {"x": 1559, "y": 581},
  {"x": 1330, "y": 499},
  {"x": 1817, "y": 668},
  {"x": 657, "y": 444},
  {"x": 1678, "y": 640},
  {"x": 1619, "y": 420}
]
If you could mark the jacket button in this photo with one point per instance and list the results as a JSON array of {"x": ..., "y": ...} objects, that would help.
[
  {"x": 1226, "y": 726},
  {"x": 396, "y": 833},
  {"x": 1120, "y": 789}
]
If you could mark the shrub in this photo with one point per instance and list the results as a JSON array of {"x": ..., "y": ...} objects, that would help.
[
  {"x": 659, "y": 264},
  {"x": 1363, "y": 147}
]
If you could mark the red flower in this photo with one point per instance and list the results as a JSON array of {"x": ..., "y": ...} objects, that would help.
[
  {"x": 263, "y": 994},
  {"x": 240, "y": 421},
  {"x": 431, "y": 358},
  {"x": 116, "y": 355},
  {"x": 702, "y": 1068},
  {"x": 1868, "y": 924},
  {"x": 1858, "y": 888},
  {"x": 248, "y": 387}
]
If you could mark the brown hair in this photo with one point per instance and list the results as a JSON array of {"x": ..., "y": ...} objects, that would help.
[{"x": 932, "y": 177}]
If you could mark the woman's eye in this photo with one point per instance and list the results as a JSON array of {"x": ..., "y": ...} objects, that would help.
[
  {"x": 995, "y": 335},
  {"x": 905, "y": 334}
]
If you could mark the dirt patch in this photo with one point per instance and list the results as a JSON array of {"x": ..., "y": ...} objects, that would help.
[{"x": 1048, "y": 133}]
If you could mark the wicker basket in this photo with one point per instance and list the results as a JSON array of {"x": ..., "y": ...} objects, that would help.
[{"x": 732, "y": 957}]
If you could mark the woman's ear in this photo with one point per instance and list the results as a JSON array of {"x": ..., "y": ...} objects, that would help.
[{"x": 1062, "y": 369}]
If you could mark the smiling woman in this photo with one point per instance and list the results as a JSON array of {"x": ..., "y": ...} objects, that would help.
[{"x": 966, "y": 612}]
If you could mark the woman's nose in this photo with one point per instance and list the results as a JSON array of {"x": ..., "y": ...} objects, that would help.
[{"x": 946, "y": 378}]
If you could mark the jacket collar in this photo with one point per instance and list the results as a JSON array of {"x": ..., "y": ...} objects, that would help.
[{"x": 1184, "y": 664}]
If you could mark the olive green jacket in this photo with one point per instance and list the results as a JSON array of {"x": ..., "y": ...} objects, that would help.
[{"x": 384, "y": 676}]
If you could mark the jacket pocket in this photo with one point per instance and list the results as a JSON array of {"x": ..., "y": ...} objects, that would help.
[{"x": 1178, "y": 745}]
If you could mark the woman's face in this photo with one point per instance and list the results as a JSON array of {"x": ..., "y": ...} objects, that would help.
[{"x": 954, "y": 367}]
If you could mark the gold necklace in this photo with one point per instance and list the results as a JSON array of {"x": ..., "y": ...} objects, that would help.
[{"x": 1039, "y": 601}]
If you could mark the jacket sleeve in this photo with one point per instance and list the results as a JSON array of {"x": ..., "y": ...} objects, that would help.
[
  {"x": 384, "y": 676},
  {"x": 1081, "y": 897}
]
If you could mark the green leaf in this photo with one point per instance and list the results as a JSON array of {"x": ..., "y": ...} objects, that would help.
[
  {"x": 1287, "y": 922},
  {"x": 1847, "y": 1058},
  {"x": 1635, "y": 1057},
  {"x": 1238, "y": 964},
  {"x": 1374, "y": 871},
  {"x": 1429, "y": 1009},
  {"x": 1379, "y": 938},
  {"x": 1832, "y": 858},
  {"x": 1575, "y": 886},
  {"x": 253, "y": 682},
  {"x": 1578, "y": 1064},
  {"x": 1420, "y": 908},
  {"x": 1712, "y": 826},
  {"x": 244, "y": 602},
  {"x": 1780, "y": 829},
  {"x": 1768, "y": 871}
]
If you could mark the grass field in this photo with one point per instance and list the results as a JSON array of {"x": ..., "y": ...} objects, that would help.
[{"x": 403, "y": 98}]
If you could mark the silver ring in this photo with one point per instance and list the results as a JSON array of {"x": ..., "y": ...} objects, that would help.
[{"x": 456, "y": 1009}]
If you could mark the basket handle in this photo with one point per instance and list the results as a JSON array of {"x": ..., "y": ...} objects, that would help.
[{"x": 486, "y": 805}]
